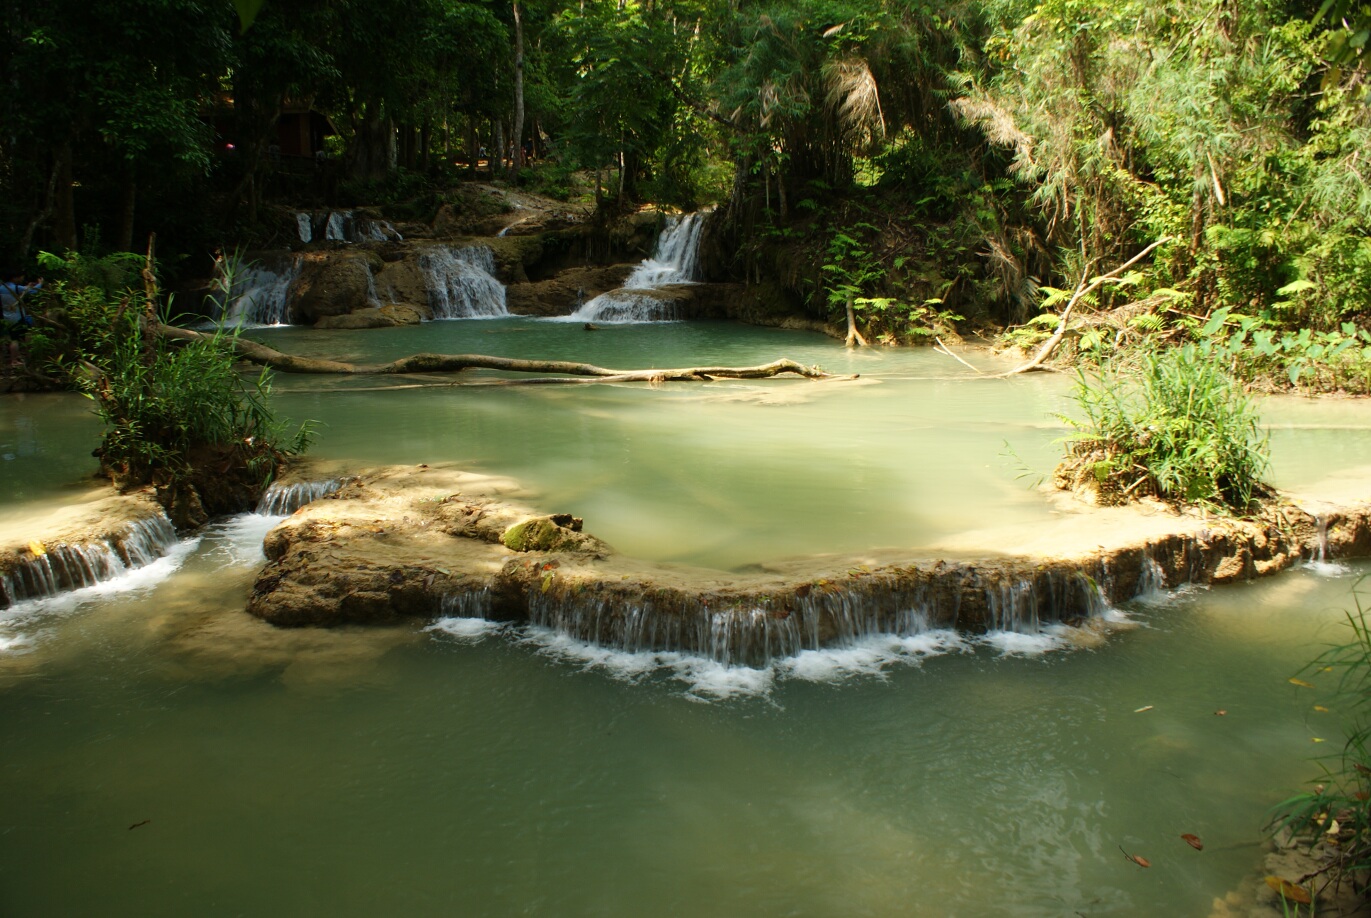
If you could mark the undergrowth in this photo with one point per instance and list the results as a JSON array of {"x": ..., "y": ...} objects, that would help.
[
  {"x": 1336, "y": 812},
  {"x": 1173, "y": 424}
]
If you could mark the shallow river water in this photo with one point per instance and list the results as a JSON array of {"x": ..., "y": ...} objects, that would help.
[{"x": 166, "y": 755}]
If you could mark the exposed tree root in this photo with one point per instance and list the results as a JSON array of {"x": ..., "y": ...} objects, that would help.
[
  {"x": 853, "y": 336},
  {"x": 454, "y": 363}
]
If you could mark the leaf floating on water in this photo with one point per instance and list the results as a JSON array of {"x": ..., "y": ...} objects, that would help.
[
  {"x": 1193, "y": 841},
  {"x": 1146, "y": 707},
  {"x": 38, "y": 549},
  {"x": 1301, "y": 683},
  {"x": 138, "y": 824},
  {"x": 1290, "y": 891},
  {"x": 1316, "y": 739},
  {"x": 1221, "y": 713},
  {"x": 1136, "y": 858},
  {"x": 1320, "y": 708}
]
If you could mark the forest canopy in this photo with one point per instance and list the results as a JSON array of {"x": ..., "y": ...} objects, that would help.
[{"x": 1020, "y": 144}]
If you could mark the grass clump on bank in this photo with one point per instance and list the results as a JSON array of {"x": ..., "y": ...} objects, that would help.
[
  {"x": 1334, "y": 818},
  {"x": 178, "y": 416},
  {"x": 1173, "y": 425}
]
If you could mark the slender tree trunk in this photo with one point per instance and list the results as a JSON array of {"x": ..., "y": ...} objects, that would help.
[
  {"x": 498, "y": 154},
  {"x": 518, "y": 90},
  {"x": 124, "y": 240},
  {"x": 64, "y": 201}
]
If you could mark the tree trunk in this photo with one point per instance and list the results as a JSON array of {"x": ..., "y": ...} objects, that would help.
[
  {"x": 124, "y": 237},
  {"x": 64, "y": 202},
  {"x": 454, "y": 363},
  {"x": 518, "y": 90},
  {"x": 853, "y": 336}
]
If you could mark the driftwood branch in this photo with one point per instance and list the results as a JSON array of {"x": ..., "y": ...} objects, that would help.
[
  {"x": 1082, "y": 290},
  {"x": 454, "y": 363}
]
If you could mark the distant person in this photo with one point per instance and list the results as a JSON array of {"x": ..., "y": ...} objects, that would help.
[
  {"x": 16, "y": 319},
  {"x": 13, "y": 291}
]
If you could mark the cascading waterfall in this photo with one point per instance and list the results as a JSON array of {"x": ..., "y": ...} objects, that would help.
[
  {"x": 461, "y": 283},
  {"x": 672, "y": 262},
  {"x": 66, "y": 567},
  {"x": 284, "y": 499},
  {"x": 259, "y": 296},
  {"x": 344, "y": 226},
  {"x": 764, "y": 631}
]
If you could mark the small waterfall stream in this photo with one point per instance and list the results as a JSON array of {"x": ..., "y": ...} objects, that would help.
[
  {"x": 64, "y": 567},
  {"x": 259, "y": 296},
  {"x": 461, "y": 283},
  {"x": 673, "y": 262},
  {"x": 284, "y": 499}
]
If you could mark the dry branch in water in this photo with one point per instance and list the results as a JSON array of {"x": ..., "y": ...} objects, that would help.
[
  {"x": 454, "y": 363},
  {"x": 1083, "y": 289}
]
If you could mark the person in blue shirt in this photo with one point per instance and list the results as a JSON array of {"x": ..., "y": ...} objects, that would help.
[{"x": 14, "y": 318}]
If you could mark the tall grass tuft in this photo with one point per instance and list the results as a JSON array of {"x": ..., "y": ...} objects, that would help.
[{"x": 1173, "y": 425}]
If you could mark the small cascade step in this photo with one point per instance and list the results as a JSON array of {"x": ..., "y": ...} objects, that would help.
[{"x": 63, "y": 567}]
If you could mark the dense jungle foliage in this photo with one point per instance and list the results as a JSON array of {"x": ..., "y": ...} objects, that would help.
[{"x": 934, "y": 164}]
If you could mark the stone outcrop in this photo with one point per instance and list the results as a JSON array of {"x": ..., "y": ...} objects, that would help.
[{"x": 400, "y": 542}]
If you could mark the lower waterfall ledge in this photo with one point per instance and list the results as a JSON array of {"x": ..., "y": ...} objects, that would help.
[
  {"x": 411, "y": 542},
  {"x": 94, "y": 538}
]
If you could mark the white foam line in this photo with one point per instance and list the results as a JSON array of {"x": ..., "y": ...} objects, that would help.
[{"x": 467, "y": 629}]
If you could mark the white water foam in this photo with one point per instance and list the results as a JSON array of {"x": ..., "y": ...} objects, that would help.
[
  {"x": 237, "y": 541},
  {"x": 871, "y": 656},
  {"x": 467, "y": 629}
]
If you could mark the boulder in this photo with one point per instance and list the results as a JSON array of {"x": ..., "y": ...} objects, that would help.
[{"x": 333, "y": 284}]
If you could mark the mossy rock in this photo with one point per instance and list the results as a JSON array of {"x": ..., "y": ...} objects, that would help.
[{"x": 559, "y": 532}]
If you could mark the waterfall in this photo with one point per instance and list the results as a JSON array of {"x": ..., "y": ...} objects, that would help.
[
  {"x": 764, "y": 631},
  {"x": 284, "y": 499},
  {"x": 672, "y": 262},
  {"x": 66, "y": 567},
  {"x": 461, "y": 283},
  {"x": 258, "y": 296},
  {"x": 344, "y": 226},
  {"x": 335, "y": 229},
  {"x": 1320, "y": 563}
]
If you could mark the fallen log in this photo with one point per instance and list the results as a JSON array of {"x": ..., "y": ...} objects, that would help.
[{"x": 454, "y": 363}]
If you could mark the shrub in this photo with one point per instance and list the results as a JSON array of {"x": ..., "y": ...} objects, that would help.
[
  {"x": 1173, "y": 425},
  {"x": 178, "y": 416}
]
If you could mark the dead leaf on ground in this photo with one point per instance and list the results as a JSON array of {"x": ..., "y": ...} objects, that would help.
[
  {"x": 1193, "y": 841},
  {"x": 38, "y": 548},
  {"x": 1290, "y": 891}
]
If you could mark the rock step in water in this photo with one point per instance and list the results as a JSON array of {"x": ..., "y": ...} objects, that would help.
[
  {"x": 400, "y": 544},
  {"x": 45, "y": 569}
]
